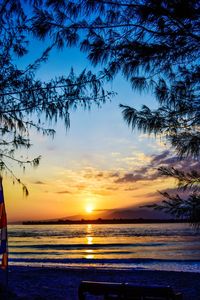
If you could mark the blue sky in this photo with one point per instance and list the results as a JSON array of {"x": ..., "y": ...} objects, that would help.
[{"x": 81, "y": 167}]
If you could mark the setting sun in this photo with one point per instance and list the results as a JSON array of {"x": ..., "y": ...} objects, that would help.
[{"x": 89, "y": 208}]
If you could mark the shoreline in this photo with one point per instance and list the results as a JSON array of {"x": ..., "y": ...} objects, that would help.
[
  {"x": 47, "y": 283},
  {"x": 164, "y": 266},
  {"x": 105, "y": 222}
]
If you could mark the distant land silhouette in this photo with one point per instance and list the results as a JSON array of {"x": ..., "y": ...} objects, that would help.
[
  {"x": 103, "y": 221},
  {"x": 131, "y": 215}
]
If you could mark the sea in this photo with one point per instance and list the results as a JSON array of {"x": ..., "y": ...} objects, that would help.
[{"x": 170, "y": 247}]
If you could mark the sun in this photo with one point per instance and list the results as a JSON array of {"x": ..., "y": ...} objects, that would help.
[{"x": 89, "y": 208}]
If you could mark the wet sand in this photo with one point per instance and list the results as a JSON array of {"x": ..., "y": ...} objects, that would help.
[{"x": 34, "y": 283}]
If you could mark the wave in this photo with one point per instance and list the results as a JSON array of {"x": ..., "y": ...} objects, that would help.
[
  {"x": 103, "y": 261},
  {"x": 86, "y": 246},
  {"x": 71, "y": 235},
  {"x": 68, "y": 252},
  {"x": 165, "y": 246}
]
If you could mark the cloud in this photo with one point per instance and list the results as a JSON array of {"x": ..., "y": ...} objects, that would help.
[
  {"x": 169, "y": 161},
  {"x": 115, "y": 154},
  {"x": 38, "y": 182},
  {"x": 167, "y": 158},
  {"x": 129, "y": 189},
  {"x": 100, "y": 174},
  {"x": 88, "y": 180},
  {"x": 101, "y": 192},
  {"x": 114, "y": 175},
  {"x": 81, "y": 187},
  {"x": 63, "y": 192},
  {"x": 92, "y": 173},
  {"x": 174, "y": 191},
  {"x": 149, "y": 170},
  {"x": 130, "y": 178},
  {"x": 158, "y": 158},
  {"x": 112, "y": 188}
]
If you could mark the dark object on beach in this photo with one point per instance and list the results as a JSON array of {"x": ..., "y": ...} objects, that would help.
[
  {"x": 126, "y": 291},
  {"x": 6, "y": 294}
]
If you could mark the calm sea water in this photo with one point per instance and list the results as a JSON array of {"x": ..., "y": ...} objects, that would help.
[{"x": 133, "y": 246}]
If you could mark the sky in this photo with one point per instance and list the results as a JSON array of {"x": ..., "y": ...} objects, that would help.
[{"x": 99, "y": 164}]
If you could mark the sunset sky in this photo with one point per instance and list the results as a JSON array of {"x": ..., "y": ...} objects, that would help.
[{"x": 99, "y": 163}]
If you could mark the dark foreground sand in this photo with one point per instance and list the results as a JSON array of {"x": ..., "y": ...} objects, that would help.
[{"x": 30, "y": 283}]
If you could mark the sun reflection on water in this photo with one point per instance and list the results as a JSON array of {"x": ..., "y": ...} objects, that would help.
[
  {"x": 89, "y": 253},
  {"x": 89, "y": 256},
  {"x": 89, "y": 228},
  {"x": 89, "y": 240}
]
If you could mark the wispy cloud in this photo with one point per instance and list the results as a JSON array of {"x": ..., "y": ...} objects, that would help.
[
  {"x": 158, "y": 158},
  {"x": 63, "y": 192},
  {"x": 149, "y": 170},
  {"x": 130, "y": 189},
  {"x": 102, "y": 192},
  {"x": 111, "y": 188}
]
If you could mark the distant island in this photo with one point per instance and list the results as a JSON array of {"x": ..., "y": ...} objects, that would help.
[{"x": 103, "y": 221}]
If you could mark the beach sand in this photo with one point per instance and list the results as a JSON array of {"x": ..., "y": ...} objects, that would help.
[{"x": 34, "y": 283}]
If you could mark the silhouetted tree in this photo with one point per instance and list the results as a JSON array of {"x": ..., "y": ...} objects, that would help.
[
  {"x": 155, "y": 46},
  {"x": 24, "y": 100}
]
